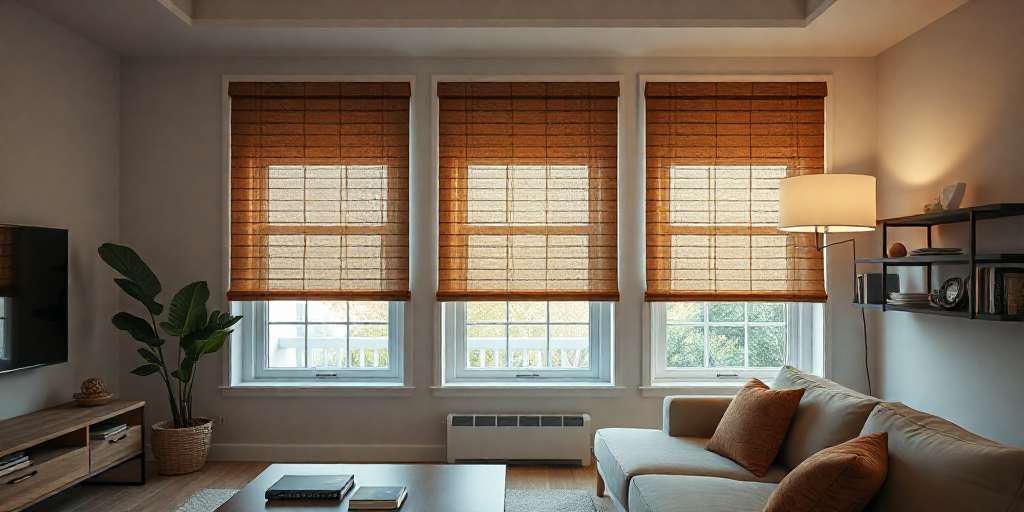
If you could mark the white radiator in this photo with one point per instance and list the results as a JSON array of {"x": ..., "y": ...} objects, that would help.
[{"x": 548, "y": 438}]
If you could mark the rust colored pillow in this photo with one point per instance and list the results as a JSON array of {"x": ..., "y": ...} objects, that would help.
[
  {"x": 842, "y": 478},
  {"x": 754, "y": 425}
]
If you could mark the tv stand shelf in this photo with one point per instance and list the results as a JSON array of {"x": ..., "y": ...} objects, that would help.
[
  {"x": 57, "y": 442},
  {"x": 971, "y": 257}
]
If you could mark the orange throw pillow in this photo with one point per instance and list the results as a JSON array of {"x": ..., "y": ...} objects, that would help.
[
  {"x": 754, "y": 425},
  {"x": 842, "y": 478}
]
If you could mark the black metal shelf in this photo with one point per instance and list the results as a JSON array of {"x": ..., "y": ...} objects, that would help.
[{"x": 971, "y": 257}]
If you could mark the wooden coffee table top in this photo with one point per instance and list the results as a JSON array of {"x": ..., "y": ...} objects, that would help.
[{"x": 432, "y": 487}]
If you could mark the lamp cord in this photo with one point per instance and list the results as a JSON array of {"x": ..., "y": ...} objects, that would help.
[{"x": 867, "y": 367}]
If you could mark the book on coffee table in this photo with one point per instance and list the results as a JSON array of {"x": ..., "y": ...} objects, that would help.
[
  {"x": 377, "y": 498},
  {"x": 310, "y": 487}
]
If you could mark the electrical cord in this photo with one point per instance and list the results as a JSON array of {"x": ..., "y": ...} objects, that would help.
[
  {"x": 821, "y": 246},
  {"x": 867, "y": 367}
]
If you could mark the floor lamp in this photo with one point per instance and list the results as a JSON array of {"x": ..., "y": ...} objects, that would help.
[{"x": 830, "y": 203}]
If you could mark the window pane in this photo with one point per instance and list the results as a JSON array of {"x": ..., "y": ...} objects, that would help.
[
  {"x": 287, "y": 311},
  {"x": 767, "y": 312},
  {"x": 725, "y": 312},
  {"x": 485, "y": 312},
  {"x": 767, "y": 346},
  {"x": 286, "y": 346},
  {"x": 574, "y": 312},
  {"x": 527, "y": 312},
  {"x": 485, "y": 346},
  {"x": 685, "y": 347},
  {"x": 528, "y": 344},
  {"x": 368, "y": 311},
  {"x": 677, "y": 312},
  {"x": 368, "y": 346},
  {"x": 725, "y": 347},
  {"x": 326, "y": 345},
  {"x": 570, "y": 345},
  {"x": 327, "y": 311}
]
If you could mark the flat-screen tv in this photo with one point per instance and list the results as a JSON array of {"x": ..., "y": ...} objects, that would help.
[{"x": 33, "y": 297}]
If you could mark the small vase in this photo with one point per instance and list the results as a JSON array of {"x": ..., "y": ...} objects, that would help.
[{"x": 179, "y": 451}]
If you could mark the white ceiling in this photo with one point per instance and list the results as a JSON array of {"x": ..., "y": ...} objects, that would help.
[{"x": 508, "y": 28}]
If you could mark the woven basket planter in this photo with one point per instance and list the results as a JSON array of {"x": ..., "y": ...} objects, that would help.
[{"x": 181, "y": 450}]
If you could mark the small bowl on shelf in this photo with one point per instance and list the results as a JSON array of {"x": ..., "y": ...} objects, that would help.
[{"x": 93, "y": 399}]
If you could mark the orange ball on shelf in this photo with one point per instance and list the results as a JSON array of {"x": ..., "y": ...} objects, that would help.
[{"x": 897, "y": 250}]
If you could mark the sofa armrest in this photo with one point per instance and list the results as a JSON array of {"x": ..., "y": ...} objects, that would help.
[{"x": 693, "y": 416}]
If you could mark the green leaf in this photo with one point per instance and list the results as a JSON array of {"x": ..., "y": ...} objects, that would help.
[
  {"x": 149, "y": 356},
  {"x": 137, "y": 328},
  {"x": 126, "y": 261},
  {"x": 217, "y": 322},
  {"x": 215, "y": 342},
  {"x": 184, "y": 373},
  {"x": 135, "y": 291},
  {"x": 146, "y": 369},
  {"x": 188, "y": 310}
]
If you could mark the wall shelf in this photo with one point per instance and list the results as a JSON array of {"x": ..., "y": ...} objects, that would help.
[{"x": 971, "y": 257}]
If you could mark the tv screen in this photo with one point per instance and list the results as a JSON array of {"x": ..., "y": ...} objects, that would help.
[{"x": 33, "y": 297}]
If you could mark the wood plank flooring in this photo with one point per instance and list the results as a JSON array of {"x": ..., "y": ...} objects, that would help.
[{"x": 164, "y": 494}]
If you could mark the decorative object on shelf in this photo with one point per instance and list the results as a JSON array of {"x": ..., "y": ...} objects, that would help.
[
  {"x": 914, "y": 299},
  {"x": 869, "y": 287},
  {"x": 933, "y": 207},
  {"x": 952, "y": 293},
  {"x": 180, "y": 446},
  {"x": 937, "y": 251},
  {"x": 897, "y": 250},
  {"x": 93, "y": 392},
  {"x": 951, "y": 195}
]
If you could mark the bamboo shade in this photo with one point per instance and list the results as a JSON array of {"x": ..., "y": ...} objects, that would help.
[
  {"x": 715, "y": 155},
  {"x": 319, "y": 190},
  {"x": 528, "y": 190}
]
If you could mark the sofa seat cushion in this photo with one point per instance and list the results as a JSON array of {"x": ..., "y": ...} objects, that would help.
[
  {"x": 623, "y": 453},
  {"x": 680, "y": 493},
  {"x": 828, "y": 415},
  {"x": 937, "y": 466}
]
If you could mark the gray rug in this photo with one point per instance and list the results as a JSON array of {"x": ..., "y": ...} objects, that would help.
[{"x": 516, "y": 500}]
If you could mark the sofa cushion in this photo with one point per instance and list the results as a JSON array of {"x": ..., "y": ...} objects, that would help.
[
  {"x": 669, "y": 493},
  {"x": 935, "y": 465},
  {"x": 755, "y": 424},
  {"x": 837, "y": 479},
  {"x": 623, "y": 453},
  {"x": 828, "y": 414}
]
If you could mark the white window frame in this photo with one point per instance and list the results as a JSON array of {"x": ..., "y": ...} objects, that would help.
[
  {"x": 254, "y": 352},
  {"x": 803, "y": 342},
  {"x": 453, "y": 330}
]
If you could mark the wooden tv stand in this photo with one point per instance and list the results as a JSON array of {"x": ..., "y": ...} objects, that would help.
[{"x": 57, "y": 441}]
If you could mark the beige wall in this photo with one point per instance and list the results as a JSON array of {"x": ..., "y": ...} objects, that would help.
[
  {"x": 949, "y": 110},
  {"x": 59, "y": 137},
  {"x": 173, "y": 206}
]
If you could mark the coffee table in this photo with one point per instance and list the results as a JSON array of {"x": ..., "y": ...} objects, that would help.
[{"x": 432, "y": 487}]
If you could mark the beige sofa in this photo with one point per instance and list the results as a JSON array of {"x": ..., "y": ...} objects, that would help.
[{"x": 934, "y": 465}]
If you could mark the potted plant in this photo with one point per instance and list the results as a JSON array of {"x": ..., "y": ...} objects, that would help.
[{"x": 180, "y": 445}]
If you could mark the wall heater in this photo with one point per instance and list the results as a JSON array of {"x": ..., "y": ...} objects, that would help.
[{"x": 519, "y": 438}]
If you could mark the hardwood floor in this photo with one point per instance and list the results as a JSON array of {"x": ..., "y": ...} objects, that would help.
[{"x": 164, "y": 494}]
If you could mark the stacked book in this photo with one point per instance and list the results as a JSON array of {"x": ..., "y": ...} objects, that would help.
[
  {"x": 911, "y": 299},
  {"x": 310, "y": 487},
  {"x": 14, "y": 462},
  {"x": 378, "y": 498},
  {"x": 999, "y": 289},
  {"x": 937, "y": 251},
  {"x": 107, "y": 430}
]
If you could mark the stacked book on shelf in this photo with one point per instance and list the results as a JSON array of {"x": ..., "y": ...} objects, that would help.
[
  {"x": 999, "y": 289},
  {"x": 937, "y": 251},
  {"x": 910, "y": 299},
  {"x": 14, "y": 462},
  {"x": 107, "y": 430}
]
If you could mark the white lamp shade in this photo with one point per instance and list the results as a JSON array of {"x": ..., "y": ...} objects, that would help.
[{"x": 827, "y": 203}]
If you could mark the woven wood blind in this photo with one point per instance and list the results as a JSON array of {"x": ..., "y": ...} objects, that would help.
[
  {"x": 527, "y": 190},
  {"x": 319, "y": 191},
  {"x": 715, "y": 155}
]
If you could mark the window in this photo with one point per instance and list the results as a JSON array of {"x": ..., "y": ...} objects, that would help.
[
  {"x": 524, "y": 341},
  {"x": 731, "y": 340},
  {"x": 324, "y": 340},
  {"x": 319, "y": 229}
]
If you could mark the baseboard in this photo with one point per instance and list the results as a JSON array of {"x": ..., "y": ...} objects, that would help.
[{"x": 327, "y": 452}]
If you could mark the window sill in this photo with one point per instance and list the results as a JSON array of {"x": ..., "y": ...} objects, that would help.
[
  {"x": 527, "y": 389},
  {"x": 316, "y": 389},
  {"x": 691, "y": 388}
]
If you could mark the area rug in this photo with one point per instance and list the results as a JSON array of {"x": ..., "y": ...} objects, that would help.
[{"x": 516, "y": 500}]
